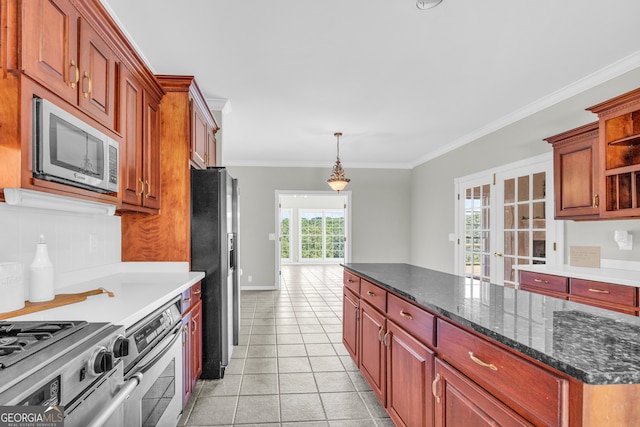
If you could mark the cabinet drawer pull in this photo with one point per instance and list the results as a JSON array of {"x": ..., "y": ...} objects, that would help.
[
  {"x": 434, "y": 387},
  {"x": 186, "y": 300},
  {"x": 148, "y": 193},
  {"x": 406, "y": 315},
  {"x": 371, "y": 294},
  {"x": 599, "y": 291},
  {"x": 77, "y": 74},
  {"x": 139, "y": 193},
  {"x": 355, "y": 312},
  {"x": 384, "y": 340},
  {"x": 540, "y": 281},
  {"x": 195, "y": 327},
  {"x": 380, "y": 333},
  {"x": 596, "y": 200},
  {"x": 350, "y": 281},
  {"x": 481, "y": 363},
  {"x": 196, "y": 292}
]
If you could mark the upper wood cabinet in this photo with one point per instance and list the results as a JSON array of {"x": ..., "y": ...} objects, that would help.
[
  {"x": 575, "y": 160},
  {"x": 73, "y": 54},
  {"x": 619, "y": 120},
  {"x": 140, "y": 161},
  {"x": 62, "y": 51},
  {"x": 203, "y": 130}
]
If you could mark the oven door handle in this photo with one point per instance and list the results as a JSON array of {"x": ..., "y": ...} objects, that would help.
[
  {"x": 122, "y": 395},
  {"x": 145, "y": 366}
]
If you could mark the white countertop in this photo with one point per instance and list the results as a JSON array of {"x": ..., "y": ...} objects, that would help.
[
  {"x": 139, "y": 289},
  {"x": 608, "y": 275}
]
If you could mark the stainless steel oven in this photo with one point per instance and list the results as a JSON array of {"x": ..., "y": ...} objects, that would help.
[
  {"x": 73, "y": 365},
  {"x": 155, "y": 361}
]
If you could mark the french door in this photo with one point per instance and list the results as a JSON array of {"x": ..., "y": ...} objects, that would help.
[{"x": 505, "y": 219}]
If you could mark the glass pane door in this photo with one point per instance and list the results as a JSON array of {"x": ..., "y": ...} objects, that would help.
[
  {"x": 523, "y": 223},
  {"x": 477, "y": 233},
  {"x": 322, "y": 235}
]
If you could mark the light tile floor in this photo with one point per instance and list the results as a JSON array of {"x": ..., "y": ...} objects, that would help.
[{"x": 290, "y": 368}]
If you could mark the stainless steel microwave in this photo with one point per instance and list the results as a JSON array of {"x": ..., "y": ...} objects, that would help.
[{"x": 70, "y": 151}]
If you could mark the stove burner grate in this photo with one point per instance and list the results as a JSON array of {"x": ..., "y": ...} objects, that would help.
[{"x": 19, "y": 340}]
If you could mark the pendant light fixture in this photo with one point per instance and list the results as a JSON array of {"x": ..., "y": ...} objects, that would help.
[{"x": 337, "y": 180}]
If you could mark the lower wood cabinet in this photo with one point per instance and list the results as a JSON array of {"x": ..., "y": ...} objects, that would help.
[
  {"x": 350, "y": 303},
  {"x": 191, "y": 340},
  {"x": 372, "y": 349},
  {"x": 461, "y": 402},
  {"x": 409, "y": 378},
  {"x": 620, "y": 298}
]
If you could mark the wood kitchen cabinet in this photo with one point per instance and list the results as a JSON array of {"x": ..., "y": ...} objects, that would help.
[
  {"x": 166, "y": 236},
  {"x": 373, "y": 353},
  {"x": 191, "y": 340},
  {"x": 73, "y": 54},
  {"x": 619, "y": 145},
  {"x": 203, "y": 130},
  {"x": 397, "y": 365},
  {"x": 350, "y": 308},
  {"x": 461, "y": 402},
  {"x": 62, "y": 51},
  {"x": 621, "y": 298},
  {"x": 140, "y": 160},
  {"x": 575, "y": 164},
  {"x": 504, "y": 375}
]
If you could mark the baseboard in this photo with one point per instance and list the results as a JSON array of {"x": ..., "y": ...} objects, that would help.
[{"x": 258, "y": 288}]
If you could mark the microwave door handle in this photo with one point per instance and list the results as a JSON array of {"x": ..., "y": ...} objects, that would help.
[
  {"x": 122, "y": 395},
  {"x": 148, "y": 365}
]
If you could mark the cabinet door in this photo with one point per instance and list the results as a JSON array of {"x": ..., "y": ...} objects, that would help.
[
  {"x": 372, "y": 350},
  {"x": 151, "y": 153},
  {"x": 575, "y": 169},
  {"x": 186, "y": 359},
  {"x": 199, "y": 133},
  {"x": 50, "y": 45},
  {"x": 409, "y": 374},
  {"x": 460, "y": 402},
  {"x": 350, "y": 323},
  {"x": 211, "y": 148},
  {"x": 131, "y": 105},
  {"x": 97, "y": 76},
  {"x": 196, "y": 343}
]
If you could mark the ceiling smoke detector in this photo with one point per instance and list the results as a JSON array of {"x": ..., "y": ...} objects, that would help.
[{"x": 427, "y": 4}]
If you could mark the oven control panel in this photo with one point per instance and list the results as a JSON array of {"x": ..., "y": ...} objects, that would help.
[{"x": 156, "y": 328}]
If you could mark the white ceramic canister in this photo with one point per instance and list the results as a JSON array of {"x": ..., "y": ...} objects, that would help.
[
  {"x": 11, "y": 287},
  {"x": 41, "y": 286}
]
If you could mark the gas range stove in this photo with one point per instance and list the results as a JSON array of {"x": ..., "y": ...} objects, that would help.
[
  {"x": 20, "y": 340},
  {"x": 59, "y": 364}
]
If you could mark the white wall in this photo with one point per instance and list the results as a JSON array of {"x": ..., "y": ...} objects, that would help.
[
  {"x": 380, "y": 214},
  {"x": 432, "y": 209},
  {"x": 67, "y": 236}
]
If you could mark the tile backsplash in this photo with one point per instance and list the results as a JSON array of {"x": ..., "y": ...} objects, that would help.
[{"x": 75, "y": 241}]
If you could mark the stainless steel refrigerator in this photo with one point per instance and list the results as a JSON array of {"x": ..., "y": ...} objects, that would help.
[{"x": 214, "y": 250}]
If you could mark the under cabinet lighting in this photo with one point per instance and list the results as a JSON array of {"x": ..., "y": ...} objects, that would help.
[{"x": 39, "y": 200}]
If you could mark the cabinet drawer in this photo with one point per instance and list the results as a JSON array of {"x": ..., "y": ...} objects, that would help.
[
  {"x": 617, "y": 294},
  {"x": 505, "y": 375},
  {"x": 412, "y": 319},
  {"x": 547, "y": 282},
  {"x": 351, "y": 281},
  {"x": 374, "y": 295}
]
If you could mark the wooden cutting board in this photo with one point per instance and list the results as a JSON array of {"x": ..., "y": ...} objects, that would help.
[{"x": 59, "y": 300}]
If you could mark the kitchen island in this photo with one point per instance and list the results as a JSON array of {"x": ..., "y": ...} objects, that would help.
[{"x": 587, "y": 359}]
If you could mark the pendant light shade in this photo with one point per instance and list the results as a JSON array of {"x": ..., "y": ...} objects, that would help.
[{"x": 337, "y": 181}]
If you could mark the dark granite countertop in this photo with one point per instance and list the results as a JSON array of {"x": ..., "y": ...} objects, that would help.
[{"x": 595, "y": 346}]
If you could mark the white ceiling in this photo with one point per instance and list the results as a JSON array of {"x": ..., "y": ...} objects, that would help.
[{"x": 402, "y": 84}]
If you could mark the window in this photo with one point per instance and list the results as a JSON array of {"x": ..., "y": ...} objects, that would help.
[{"x": 322, "y": 235}]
